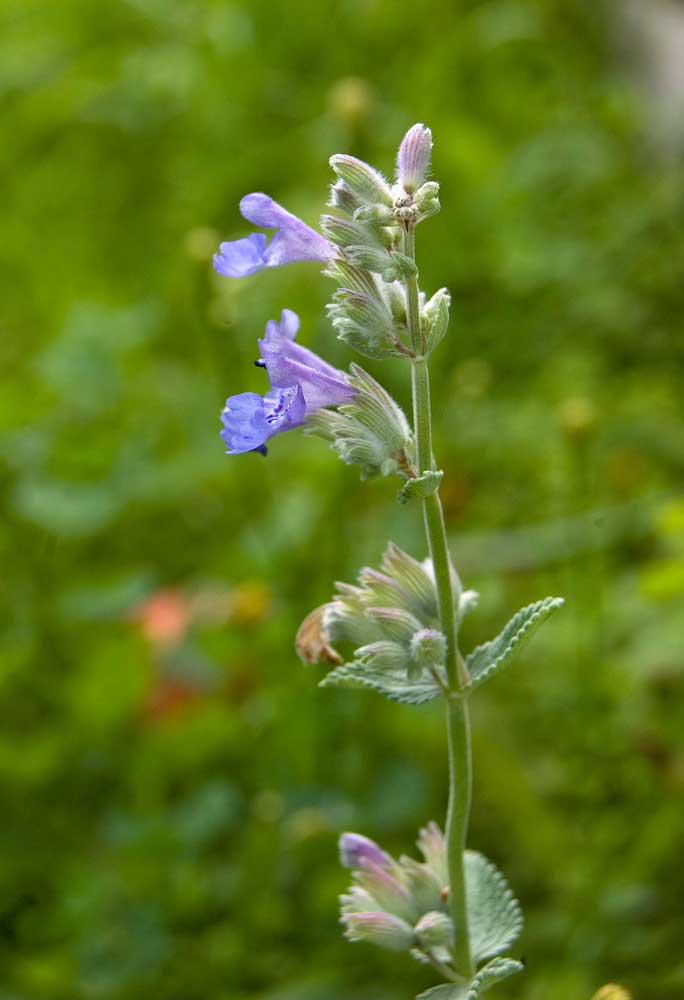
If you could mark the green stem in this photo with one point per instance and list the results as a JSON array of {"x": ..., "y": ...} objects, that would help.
[{"x": 458, "y": 726}]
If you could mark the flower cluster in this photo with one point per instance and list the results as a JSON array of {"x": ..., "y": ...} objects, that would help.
[
  {"x": 400, "y": 905},
  {"x": 404, "y": 905},
  {"x": 391, "y": 621},
  {"x": 360, "y": 247}
]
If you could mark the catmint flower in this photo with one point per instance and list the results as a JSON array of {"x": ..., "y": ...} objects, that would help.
[
  {"x": 288, "y": 363},
  {"x": 301, "y": 383},
  {"x": 293, "y": 240},
  {"x": 413, "y": 159},
  {"x": 249, "y": 419},
  {"x": 379, "y": 928},
  {"x": 357, "y": 851}
]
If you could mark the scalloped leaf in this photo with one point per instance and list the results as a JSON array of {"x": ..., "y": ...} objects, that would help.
[
  {"x": 494, "y": 913},
  {"x": 391, "y": 681},
  {"x": 488, "y": 976},
  {"x": 421, "y": 486},
  {"x": 446, "y": 991},
  {"x": 491, "y": 657},
  {"x": 493, "y": 972}
]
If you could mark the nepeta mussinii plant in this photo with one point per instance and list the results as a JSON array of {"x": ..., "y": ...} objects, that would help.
[{"x": 397, "y": 626}]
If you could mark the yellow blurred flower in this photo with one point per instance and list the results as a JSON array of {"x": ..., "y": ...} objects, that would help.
[{"x": 611, "y": 991}]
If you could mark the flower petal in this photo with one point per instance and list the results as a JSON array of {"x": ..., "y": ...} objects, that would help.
[
  {"x": 245, "y": 427},
  {"x": 238, "y": 258},
  {"x": 293, "y": 241},
  {"x": 289, "y": 364},
  {"x": 287, "y": 328}
]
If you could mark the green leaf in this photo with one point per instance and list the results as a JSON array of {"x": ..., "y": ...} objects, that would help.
[
  {"x": 488, "y": 659},
  {"x": 421, "y": 486},
  {"x": 493, "y": 972},
  {"x": 389, "y": 680},
  {"x": 488, "y": 976},
  {"x": 494, "y": 913},
  {"x": 447, "y": 991}
]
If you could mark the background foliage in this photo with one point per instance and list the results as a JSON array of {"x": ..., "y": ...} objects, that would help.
[{"x": 173, "y": 781}]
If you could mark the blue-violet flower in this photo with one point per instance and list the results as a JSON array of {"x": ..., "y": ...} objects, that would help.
[
  {"x": 301, "y": 383},
  {"x": 293, "y": 240}
]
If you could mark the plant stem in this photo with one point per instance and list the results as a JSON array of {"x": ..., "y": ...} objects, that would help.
[{"x": 458, "y": 725}]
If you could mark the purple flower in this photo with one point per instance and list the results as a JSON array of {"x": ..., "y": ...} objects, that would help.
[
  {"x": 249, "y": 419},
  {"x": 293, "y": 240},
  {"x": 357, "y": 851},
  {"x": 288, "y": 363},
  {"x": 301, "y": 383}
]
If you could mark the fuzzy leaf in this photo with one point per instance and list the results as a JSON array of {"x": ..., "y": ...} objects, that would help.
[
  {"x": 392, "y": 681},
  {"x": 494, "y": 913},
  {"x": 493, "y": 972},
  {"x": 447, "y": 991},
  {"x": 488, "y": 659},
  {"x": 421, "y": 486}
]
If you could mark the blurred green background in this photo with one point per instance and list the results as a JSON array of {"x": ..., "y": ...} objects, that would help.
[{"x": 173, "y": 781}]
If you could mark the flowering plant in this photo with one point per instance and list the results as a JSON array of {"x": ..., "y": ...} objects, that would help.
[{"x": 397, "y": 627}]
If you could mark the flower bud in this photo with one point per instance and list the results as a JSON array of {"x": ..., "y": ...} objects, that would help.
[
  {"x": 382, "y": 929},
  {"x": 380, "y": 214},
  {"x": 387, "y": 889},
  {"x": 370, "y": 186},
  {"x": 433, "y": 848},
  {"x": 371, "y": 431},
  {"x": 363, "y": 321},
  {"x": 429, "y": 207},
  {"x": 347, "y": 232},
  {"x": 426, "y": 192},
  {"x": 435, "y": 931},
  {"x": 343, "y": 197},
  {"x": 357, "y": 851},
  {"x": 423, "y": 885},
  {"x": 428, "y": 649},
  {"x": 436, "y": 318},
  {"x": 413, "y": 158},
  {"x": 373, "y": 259}
]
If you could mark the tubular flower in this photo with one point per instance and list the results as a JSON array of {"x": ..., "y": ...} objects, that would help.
[
  {"x": 301, "y": 383},
  {"x": 293, "y": 240}
]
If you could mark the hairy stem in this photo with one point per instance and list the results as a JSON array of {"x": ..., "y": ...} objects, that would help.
[{"x": 458, "y": 725}]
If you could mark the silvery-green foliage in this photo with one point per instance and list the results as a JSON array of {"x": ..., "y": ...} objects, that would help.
[
  {"x": 371, "y": 431},
  {"x": 487, "y": 659},
  {"x": 380, "y": 616},
  {"x": 392, "y": 682},
  {"x": 420, "y": 486},
  {"x": 489, "y": 975},
  {"x": 494, "y": 913}
]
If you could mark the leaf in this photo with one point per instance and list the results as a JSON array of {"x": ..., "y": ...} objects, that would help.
[
  {"x": 391, "y": 681},
  {"x": 493, "y": 972},
  {"x": 488, "y": 659},
  {"x": 494, "y": 913},
  {"x": 420, "y": 486},
  {"x": 446, "y": 991}
]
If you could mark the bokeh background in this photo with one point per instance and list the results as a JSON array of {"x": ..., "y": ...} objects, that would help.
[{"x": 173, "y": 781}]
